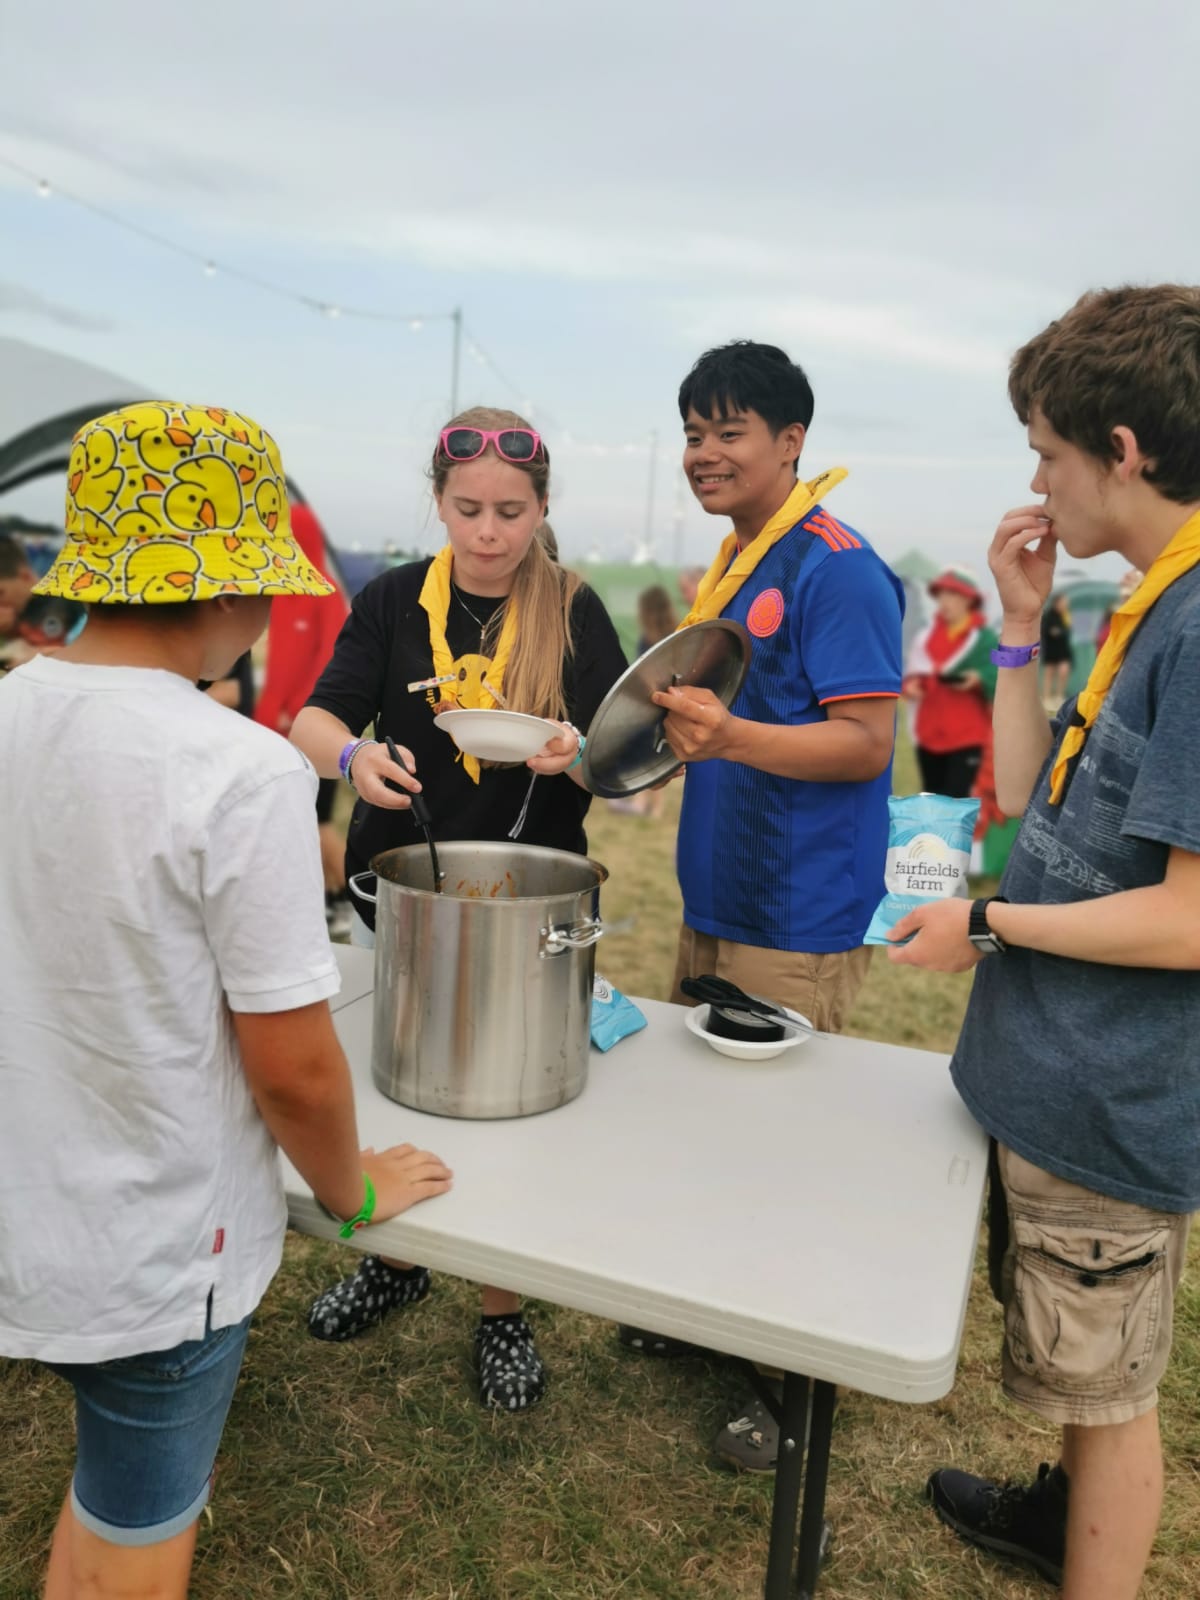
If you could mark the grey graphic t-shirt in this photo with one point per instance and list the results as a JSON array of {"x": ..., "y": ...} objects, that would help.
[{"x": 1093, "y": 1072}]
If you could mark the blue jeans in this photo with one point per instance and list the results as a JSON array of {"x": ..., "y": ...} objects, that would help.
[{"x": 148, "y": 1429}]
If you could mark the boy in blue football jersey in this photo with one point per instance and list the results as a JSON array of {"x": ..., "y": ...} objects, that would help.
[{"x": 784, "y": 826}]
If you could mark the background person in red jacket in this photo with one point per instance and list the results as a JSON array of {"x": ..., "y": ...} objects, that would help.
[
  {"x": 950, "y": 680},
  {"x": 300, "y": 641}
]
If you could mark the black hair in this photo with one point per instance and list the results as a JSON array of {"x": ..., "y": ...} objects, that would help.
[
  {"x": 745, "y": 376},
  {"x": 13, "y": 556},
  {"x": 139, "y": 611}
]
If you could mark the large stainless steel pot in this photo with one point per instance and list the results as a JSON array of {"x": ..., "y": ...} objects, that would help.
[{"x": 483, "y": 993}]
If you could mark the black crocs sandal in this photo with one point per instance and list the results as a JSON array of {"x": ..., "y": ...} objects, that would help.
[
  {"x": 656, "y": 1344},
  {"x": 511, "y": 1374},
  {"x": 750, "y": 1441},
  {"x": 362, "y": 1300}
]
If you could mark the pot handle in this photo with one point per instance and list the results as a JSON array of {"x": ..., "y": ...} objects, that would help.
[
  {"x": 581, "y": 935},
  {"x": 352, "y": 884}
]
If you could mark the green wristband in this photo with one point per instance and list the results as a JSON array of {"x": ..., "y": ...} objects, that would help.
[
  {"x": 578, "y": 753},
  {"x": 349, "y": 1228}
]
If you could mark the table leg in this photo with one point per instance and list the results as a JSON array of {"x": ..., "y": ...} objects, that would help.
[
  {"x": 789, "y": 1472},
  {"x": 813, "y": 1531},
  {"x": 765, "y": 1389}
]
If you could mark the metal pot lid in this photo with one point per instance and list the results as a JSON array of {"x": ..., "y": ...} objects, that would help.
[{"x": 625, "y": 751}]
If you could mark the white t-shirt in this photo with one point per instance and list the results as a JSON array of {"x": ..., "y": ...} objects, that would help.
[{"x": 159, "y": 868}]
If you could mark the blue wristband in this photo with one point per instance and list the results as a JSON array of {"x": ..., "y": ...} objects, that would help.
[
  {"x": 578, "y": 753},
  {"x": 1015, "y": 655}
]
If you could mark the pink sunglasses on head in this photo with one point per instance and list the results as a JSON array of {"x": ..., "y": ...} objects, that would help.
[{"x": 513, "y": 444}]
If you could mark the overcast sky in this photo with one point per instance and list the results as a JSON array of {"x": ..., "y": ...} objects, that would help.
[{"x": 898, "y": 194}]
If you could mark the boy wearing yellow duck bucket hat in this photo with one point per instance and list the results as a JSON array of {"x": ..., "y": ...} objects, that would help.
[{"x": 141, "y": 1214}]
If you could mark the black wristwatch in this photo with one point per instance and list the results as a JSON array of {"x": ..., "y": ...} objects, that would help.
[{"x": 980, "y": 935}]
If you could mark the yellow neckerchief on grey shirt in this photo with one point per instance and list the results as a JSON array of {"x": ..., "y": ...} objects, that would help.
[{"x": 1180, "y": 556}]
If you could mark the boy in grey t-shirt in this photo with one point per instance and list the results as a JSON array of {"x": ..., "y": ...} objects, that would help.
[{"x": 1078, "y": 1051}]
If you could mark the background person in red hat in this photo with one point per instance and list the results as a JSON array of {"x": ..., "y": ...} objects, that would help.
[{"x": 950, "y": 680}]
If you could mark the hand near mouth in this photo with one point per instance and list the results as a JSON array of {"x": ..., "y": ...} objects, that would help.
[{"x": 1022, "y": 558}]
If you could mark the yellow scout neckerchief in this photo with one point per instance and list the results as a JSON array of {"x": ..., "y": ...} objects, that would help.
[
  {"x": 722, "y": 581},
  {"x": 435, "y": 602},
  {"x": 1180, "y": 556}
]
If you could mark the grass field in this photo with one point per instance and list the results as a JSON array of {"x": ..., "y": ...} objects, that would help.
[{"x": 369, "y": 1470}]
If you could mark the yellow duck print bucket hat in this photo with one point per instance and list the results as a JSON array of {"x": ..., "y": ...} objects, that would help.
[{"x": 176, "y": 502}]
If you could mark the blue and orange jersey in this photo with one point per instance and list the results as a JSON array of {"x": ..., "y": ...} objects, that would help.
[{"x": 779, "y": 862}]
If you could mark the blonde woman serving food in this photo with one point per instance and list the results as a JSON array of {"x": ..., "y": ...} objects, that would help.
[{"x": 490, "y": 620}]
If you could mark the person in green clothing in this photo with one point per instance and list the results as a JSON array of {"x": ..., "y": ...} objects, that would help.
[{"x": 949, "y": 679}]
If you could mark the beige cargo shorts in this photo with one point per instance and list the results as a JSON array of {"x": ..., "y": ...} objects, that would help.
[
  {"x": 1088, "y": 1288},
  {"x": 820, "y": 987}
]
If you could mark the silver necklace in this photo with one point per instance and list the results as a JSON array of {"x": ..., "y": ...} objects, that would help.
[{"x": 482, "y": 626}]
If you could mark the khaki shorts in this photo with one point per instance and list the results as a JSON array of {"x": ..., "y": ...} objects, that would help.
[
  {"x": 1088, "y": 1288},
  {"x": 820, "y": 987}
]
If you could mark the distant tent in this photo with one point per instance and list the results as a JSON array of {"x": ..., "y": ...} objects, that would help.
[
  {"x": 359, "y": 566},
  {"x": 620, "y": 583},
  {"x": 44, "y": 398},
  {"x": 914, "y": 569},
  {"x": 915, "y": 565},
  {"x": 1088, "y": 598}
]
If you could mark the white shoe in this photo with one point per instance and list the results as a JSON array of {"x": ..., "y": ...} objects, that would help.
[{"x": 340, "y": 918}]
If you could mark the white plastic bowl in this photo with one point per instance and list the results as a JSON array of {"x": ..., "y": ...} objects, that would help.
[
  {"x": 497, "y": 735},
  {"x": 746, "y": 1049}
]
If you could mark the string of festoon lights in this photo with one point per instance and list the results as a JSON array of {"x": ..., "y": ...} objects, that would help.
[{"x": 463, "y": 338}]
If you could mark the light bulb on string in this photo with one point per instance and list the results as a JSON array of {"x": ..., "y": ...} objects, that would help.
[{"x": 212, "y": 269}]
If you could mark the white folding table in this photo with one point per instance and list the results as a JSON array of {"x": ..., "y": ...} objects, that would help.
[
  {"x": 357, "y": 968},
  {"x": 817, "y": 1212}
]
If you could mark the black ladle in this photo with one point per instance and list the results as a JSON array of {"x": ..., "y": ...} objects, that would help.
[{"x": 420, "y": 811}]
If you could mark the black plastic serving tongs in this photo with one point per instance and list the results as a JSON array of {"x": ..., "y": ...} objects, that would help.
[{"x": 713, "y": 991}]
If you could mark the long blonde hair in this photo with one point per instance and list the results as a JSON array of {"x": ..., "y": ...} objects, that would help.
[
  {"x": 542, "y": 591},
  {"x": 656, "y": 614}
]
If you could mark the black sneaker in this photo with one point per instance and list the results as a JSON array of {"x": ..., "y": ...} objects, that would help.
[
  {"x": 339, "y": 916},
  {"x": 657, "y": 1344},
  {"x": 1025, "y": 1521}
]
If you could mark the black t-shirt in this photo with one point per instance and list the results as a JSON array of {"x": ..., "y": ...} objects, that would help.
[
  {"x": 1056, "y": 636},
  {"x": 383, "y": 647},
  {"x": 241, "y": 673}
]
